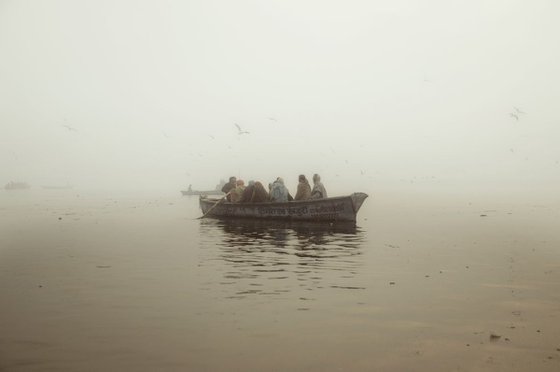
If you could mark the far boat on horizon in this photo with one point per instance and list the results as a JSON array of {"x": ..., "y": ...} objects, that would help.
[
  {"x": 16, "y": 185},
  {"x": 190, "y": 191},
  {"x": 57, "y": 187}
]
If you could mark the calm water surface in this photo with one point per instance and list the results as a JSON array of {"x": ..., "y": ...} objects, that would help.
[
  {"x": 274, "y": 259},
  {"x": 120, "y": 282}
]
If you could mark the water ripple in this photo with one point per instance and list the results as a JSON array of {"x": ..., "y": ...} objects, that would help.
[{"x": 279, "y": 257}]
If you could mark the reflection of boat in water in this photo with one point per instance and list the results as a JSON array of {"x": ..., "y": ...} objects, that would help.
[
  {"x": 271, "y": 250},
  {"x": 247, "y": 231},
  {"x": 342, "y": 208},
  {"x": 16, "y": 186},
  {"x": 254, "y": 226}
]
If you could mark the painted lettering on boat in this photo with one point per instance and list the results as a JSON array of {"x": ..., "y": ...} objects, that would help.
[{"x": 331, "y": 210}]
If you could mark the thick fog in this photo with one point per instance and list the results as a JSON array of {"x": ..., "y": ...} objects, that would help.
[{"x": 372, "y": 95}]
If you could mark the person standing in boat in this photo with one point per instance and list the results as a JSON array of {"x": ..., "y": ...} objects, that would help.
[
  {"x": 303, "y": 189},
  {"x": 318, "y": 191},
  {"x": 232, "y": 184},
  {"x": 235, "y": 194},
  {"x": 279, "y": 192}
]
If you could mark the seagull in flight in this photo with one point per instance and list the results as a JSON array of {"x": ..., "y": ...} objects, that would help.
[
  {"x": 239, "y": 130},
  {"x": 518, "y": 111},
  {"x": 69, "y": 128},
  {"x": 65, "y": 125}
]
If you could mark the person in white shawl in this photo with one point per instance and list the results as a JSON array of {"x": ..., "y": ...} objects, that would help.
[
  {"x": 279, "y": 192},
  {"x": 318, "y": 191}
]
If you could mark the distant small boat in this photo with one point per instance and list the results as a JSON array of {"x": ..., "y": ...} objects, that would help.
[
  {"x": 57, "y": 187},
  {"x": 197, "y": 192},
  {"x": 341, "y": 208},
  {"x": 16, "y": 186}
]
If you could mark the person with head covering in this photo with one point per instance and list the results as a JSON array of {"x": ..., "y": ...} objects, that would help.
[
  {"x": 319, "y": 190},
  {"x": 303, "y": 189},
  {"x": 279, "y": 192},
  {"x": 232, "y": 184},
  {"x": 259, "y": 195},
  {"x": 248, "y": 193},
  {"x": 254, "y": 193},
  {"x": 235, "y": 194}
]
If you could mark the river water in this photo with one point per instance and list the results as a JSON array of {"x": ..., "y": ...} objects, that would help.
[{"x": 103, "y": 281}]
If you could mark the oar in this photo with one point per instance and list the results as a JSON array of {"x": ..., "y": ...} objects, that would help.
[{"x": 212, "y": 207}]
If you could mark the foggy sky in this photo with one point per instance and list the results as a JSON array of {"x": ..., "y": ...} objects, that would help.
[{"x": 370, "y": 94}]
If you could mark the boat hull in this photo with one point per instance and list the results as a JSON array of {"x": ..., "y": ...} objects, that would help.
[
  {"x": 16, "y": 186},
  {"x": 343, "y": 208}
]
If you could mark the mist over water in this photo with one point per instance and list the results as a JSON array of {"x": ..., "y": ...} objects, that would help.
[
  {"x": 443, "y": 112},
  {"x": 136, "y": 282},
  {"x": 371, "y": 95}
]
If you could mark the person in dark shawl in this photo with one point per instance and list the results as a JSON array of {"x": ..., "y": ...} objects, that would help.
[
  {"x": 231, "y": 185},
  {"x": 260, "y": 195},
  {"x": 248, "y": 193},
  {"x": 254, "y": 193}
]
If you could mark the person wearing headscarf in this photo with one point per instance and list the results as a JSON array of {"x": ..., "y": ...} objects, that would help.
[
  {"x": 260, "y": 195},
  {"x": 254, "y": 193},
  {"x": 235, "y": 194},
  {"x": 319, "y": 190},
  {"x": 278, "y": 191},
  {"x": 248, "y": 193},
  {"x": 303, "y": 189}
]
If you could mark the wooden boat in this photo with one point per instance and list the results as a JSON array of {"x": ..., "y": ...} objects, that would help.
[
  {"x": 55, "y": 187},
  {"x": 197, "y": 192},
  {"x": 16, "y": 186},
  {"x": 341, "y": 208}
]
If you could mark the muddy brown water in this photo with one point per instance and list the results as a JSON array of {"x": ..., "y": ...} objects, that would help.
[{"x": 420, "y": 283}]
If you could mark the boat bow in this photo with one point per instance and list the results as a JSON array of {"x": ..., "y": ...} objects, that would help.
[{"x": 358, "y": 199}]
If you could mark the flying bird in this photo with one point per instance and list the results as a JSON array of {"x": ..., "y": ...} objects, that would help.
[
  {"x": 69, "y": 128},
  {"x": 239, "y": 130},
  {"x": 518, "y": 111}
]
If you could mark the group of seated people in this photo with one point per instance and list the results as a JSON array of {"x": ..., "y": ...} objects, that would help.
[{"x": 237, "y": 192}]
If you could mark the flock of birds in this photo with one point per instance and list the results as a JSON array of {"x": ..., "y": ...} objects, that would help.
[{"x": 515, "y": 114}]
